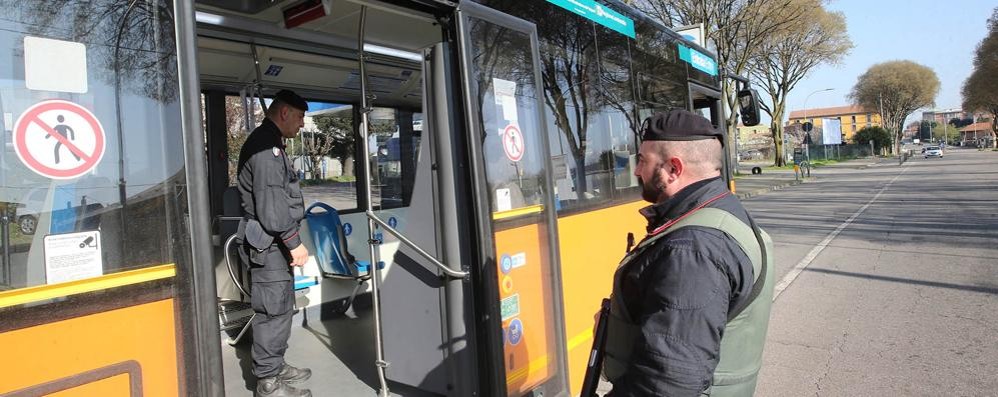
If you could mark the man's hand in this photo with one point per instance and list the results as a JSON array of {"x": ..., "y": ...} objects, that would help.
[{"x": 299, "y": 255}]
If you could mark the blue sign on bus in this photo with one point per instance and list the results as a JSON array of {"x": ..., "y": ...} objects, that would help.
[
  {"x": 598, "y": 13},
  {"x": 699, "y": 60}
]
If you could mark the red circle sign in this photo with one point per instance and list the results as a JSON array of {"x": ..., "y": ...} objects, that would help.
[
  {"x": 512, "y": 142},
  {"x": 59, "y": 139}
]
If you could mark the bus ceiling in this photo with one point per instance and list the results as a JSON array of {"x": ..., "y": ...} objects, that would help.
[{"x": 317, "y": 55}]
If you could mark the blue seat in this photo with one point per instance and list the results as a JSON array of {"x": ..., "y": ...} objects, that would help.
[{"x": 331, "y": 252}]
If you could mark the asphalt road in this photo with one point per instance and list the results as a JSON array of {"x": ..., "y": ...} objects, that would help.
[{"x": 888, "y": 280}]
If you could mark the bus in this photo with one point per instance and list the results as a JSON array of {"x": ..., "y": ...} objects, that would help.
[{"x": 481, "y": 154}]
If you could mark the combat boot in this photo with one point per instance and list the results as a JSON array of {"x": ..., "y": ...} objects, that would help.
[
  {"x": 274, "y": 387},
  {"x": 291, "y": 374}
]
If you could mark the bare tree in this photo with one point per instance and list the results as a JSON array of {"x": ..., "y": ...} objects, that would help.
[
  {"x": 735, "y": 30},
  {"x": 980, "y": 90},
  {"x": 815, "y": 38},
  {"x": 898, "y": 88}
]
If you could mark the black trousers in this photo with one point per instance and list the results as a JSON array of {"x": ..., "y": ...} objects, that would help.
[
  {"x": 272, "y": 296},
  {"x": 273, "y": 302}
]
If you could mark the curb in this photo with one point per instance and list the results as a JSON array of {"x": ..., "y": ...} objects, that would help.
[{"x": 759, "y": 192}]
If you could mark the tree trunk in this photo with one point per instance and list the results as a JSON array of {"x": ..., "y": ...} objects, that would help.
[
  {"x": 580, "y": 176},
  {"x": 346, "y": 166},
  {"x": 781, "y": 160}
]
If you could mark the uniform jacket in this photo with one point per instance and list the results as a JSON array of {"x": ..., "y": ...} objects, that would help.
[
  {"x": 272, "y": 203},
  {"x": 680, "y": 291}
]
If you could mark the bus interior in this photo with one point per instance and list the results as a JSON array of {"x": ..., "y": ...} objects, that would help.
[{"x": 246, "y": 54}]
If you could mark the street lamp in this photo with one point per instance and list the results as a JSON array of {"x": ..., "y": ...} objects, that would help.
[{"x": 805, "y": 119}]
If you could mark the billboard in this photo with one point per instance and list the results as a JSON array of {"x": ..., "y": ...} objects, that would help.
[{"x": 831, "y": 132}]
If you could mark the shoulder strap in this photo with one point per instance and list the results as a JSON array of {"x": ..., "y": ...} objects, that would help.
[{"x": 749, "y": 238}]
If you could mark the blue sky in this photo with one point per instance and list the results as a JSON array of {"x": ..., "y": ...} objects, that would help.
[{"x": 939, "y": 34}]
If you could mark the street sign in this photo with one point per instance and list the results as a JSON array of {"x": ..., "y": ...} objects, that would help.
[
  {"x": 807, "y": 126},
  {"x": 59, "y": 139}
]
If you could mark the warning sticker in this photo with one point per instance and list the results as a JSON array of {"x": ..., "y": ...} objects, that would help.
[
  {"x": 72, "y": 256},
  {"x": 512, "y": 142},
  {"x": 59, "y": 139},
  {"x": 509, "y": 307}
]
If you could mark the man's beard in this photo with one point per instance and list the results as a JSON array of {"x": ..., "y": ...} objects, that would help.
[{"x": 651, "y": 191}]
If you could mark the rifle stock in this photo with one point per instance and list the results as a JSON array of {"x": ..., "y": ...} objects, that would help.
[{"x": 595, "y": 366}]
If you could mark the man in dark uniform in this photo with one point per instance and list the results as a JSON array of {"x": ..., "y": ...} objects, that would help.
[
  {"x": 269, "y": 242},
  {"x": 699, "y": 275}
]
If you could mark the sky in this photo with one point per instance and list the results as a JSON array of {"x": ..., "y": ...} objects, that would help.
[{"x": 939, "y": 34}]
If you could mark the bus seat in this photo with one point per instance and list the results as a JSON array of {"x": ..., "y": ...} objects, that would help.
[
  {"x": 331, "y": 252},
  {"x": 232, "y": 213}
]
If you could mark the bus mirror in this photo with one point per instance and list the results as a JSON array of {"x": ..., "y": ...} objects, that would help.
[{"x": 748, "y": 101}]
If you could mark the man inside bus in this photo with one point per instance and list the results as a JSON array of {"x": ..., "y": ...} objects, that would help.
[
  {"x": 675, "y": 294},
  {"x": 269, "y": 241}
]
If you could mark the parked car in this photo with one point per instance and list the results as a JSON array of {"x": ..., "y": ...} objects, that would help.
[
  {"x": 29, "y": 208},
  {"x": 933, "y": 151}
]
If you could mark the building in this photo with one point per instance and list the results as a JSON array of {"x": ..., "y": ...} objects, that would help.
[
  {"x": 755, "y": 142},
  {"x": 943, "y": 116},
  {"x": 853, "y": 118},
  {"x": 976, "y": 133}
]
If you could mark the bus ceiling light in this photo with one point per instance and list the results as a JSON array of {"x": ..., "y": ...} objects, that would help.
[
  {"x": 207, "y": 18},
  {"x": 377, "y": 49}
]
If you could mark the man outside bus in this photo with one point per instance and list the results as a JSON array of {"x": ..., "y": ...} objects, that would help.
[
  {"x": 269, "y": 241},
  {"x": 690, "y": 304}
]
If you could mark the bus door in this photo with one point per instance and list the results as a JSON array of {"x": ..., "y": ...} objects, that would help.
[{"x": 509, "y": 154}]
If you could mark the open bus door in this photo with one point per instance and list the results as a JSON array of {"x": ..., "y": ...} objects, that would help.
[{"x": 520, "y": 274}]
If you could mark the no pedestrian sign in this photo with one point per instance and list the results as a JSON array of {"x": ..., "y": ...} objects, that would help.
[
  {"x": 512, "y": 142},
  {"x": 59, "y": 139}
]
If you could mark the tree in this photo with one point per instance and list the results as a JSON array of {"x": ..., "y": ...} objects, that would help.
[
  {"x": 815, "y": 38},
  {"x": 342, "y": 139},
  {"x": 735, "y": 30},
  {"x": 897, "y": 88},
  {"x": 980, "y": 90},
  {"x": 880, "y": 137}
]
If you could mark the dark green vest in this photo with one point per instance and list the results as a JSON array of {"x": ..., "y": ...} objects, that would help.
[{"x": 744, "y": 335}]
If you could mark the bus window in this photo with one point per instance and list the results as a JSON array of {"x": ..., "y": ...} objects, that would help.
[
  {"x": 116, "y": 171},
  {"x": 394, "y": 145},
  {"x": 242, "y": 115},
  {"x": 324, "y": 155}
]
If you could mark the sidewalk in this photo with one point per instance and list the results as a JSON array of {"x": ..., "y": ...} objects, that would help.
[{"x": 748, "y": 185}]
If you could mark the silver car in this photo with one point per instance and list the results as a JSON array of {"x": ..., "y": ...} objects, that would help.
[{"x": 933, "y": 151}]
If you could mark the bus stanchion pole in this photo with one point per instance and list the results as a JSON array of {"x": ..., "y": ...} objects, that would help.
[{"x": 374, "y": 243}]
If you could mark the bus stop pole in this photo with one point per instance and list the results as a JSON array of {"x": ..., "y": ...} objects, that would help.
[{"x": 373, "y": 242}]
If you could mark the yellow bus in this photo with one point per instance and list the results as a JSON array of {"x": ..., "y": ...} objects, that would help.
[{"x": 483, "y": 152}]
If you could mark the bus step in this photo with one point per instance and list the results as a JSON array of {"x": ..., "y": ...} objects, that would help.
[{"x": 233, "y": 314}]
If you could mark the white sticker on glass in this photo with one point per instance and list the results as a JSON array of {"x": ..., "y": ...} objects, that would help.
[{"x": 55, "y": 65}]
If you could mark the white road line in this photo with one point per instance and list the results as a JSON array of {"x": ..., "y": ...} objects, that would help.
[{"x": 806, "y": 261}]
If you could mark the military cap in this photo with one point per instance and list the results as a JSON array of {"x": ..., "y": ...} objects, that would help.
[
  {"x": 289, "y": 98},
  {"x": 678, "y": 125}
]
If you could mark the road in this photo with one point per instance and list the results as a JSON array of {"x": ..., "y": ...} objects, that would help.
[{"x": 888, "y": 280}]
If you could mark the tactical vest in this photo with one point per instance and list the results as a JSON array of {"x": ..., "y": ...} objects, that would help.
[{"x": 744, "y": 335}]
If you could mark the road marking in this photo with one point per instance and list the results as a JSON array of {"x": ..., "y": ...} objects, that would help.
[{"x": 806, "y": 261}]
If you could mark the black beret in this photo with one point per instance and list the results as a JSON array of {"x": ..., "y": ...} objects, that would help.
[
  {"x": 289, "y": 98},
  {"x": 678, "y": 125}
]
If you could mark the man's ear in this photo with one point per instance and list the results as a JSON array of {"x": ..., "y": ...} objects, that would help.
[{"x": 676, "y": 168}]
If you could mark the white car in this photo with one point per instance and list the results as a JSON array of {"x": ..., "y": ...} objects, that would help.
[
  {"x": 28, "y": 209},
  {"x": 933, "y": 151}
]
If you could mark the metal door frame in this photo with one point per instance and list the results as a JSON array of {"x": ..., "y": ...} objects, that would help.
[{"x": 488, "y": 324}]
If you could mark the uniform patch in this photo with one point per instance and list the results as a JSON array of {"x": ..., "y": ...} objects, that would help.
[{"x": 277, "y": 152}]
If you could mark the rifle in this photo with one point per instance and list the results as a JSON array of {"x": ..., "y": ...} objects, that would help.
[{"x": 595, "y": 365}]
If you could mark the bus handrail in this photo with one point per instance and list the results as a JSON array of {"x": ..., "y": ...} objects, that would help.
[{"x": 444, "y": 268}]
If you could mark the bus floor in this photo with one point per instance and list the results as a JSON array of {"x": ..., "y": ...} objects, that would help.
[{"x": 339, "y": 350}]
